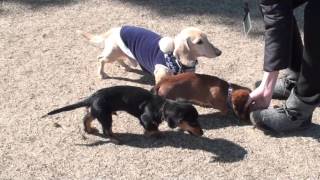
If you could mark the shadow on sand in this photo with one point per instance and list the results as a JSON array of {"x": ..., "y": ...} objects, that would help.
[
  {"x": 223, "y": 150},
  {"x": 311, "y": 132},
  {"x": 145, "y": 78},
  {"x": 216, "y": 120},
  {"x": 225, "y": 8}
]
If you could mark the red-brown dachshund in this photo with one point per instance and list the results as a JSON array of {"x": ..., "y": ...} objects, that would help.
[{"x": 206, "y": 91}]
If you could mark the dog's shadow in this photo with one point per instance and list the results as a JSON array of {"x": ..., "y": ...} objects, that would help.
[
  {"x": 216, "y": 120},
  {"x": 222, "y": 149},
  {"x": 145, "y": 78}
]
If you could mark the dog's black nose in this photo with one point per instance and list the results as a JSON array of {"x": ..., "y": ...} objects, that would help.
[
  {"x": 201, "y": 132},
  {"x": 218, "y": 52}
]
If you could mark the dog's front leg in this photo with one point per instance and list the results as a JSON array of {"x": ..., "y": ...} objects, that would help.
[
  {"x": 160, "y": 73},
  {"x": 153, "y": 133},
  {"x": 108, "y": 55},
  {"x": 126, "y": 67},
  {"x": 108, "y": 133},
  {"x": 106, "y": 122}
]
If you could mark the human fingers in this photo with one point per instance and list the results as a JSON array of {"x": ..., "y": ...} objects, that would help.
[{"x": 248, "y": 103}]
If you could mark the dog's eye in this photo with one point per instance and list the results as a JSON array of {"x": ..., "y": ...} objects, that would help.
[{"x": 200, "y": 42}]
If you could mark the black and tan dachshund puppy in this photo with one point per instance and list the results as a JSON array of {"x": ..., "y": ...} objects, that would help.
[{"x": 150, "y": 109}]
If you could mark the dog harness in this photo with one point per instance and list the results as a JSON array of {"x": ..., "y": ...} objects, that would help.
[{"x": 143, "y": 46}]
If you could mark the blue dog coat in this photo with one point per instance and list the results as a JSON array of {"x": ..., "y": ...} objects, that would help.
[{"x": 143, "y": 45}]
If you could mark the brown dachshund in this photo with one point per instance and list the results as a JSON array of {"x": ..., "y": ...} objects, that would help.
[{"x": 206, "y": 91}]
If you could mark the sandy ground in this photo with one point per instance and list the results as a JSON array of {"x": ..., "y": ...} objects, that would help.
[{"x": 44, "y": 65}]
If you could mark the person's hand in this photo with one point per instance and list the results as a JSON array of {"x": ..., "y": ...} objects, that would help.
[{"x": 261, "y": 97}]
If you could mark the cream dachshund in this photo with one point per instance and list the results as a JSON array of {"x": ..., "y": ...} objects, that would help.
[{"x": 157, "y": 55}]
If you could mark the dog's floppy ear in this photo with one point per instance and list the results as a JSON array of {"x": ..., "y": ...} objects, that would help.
[
  {"x": 198, "y": 41},
  {"x": 171, "y": 117},
  {"x": 239, "y": 100},
  {"x": 173, "y": 122},
  {"x": 181, "y": 48},
  {"x": 146, "y": 121},
  {"x": 142, "y": 105}
]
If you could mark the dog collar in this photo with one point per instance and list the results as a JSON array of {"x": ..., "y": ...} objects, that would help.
[
  {"x": 189, "y": 68},
  {"x": 175, "y": 65},
  {"x": 229, "y": 98}
]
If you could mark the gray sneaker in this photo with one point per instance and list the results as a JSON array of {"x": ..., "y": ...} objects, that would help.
[{"x": 294, "y": 115}]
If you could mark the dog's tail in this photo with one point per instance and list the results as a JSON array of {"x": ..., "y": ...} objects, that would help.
[
  {"x": 84, "y": 103},
  {"x": 93, "y": 38}
]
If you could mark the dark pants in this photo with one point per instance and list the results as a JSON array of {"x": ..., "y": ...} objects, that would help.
[{"x": 283, "y": 45}]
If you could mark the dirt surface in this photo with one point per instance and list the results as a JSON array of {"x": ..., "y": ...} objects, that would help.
[{"x": 45, "y": 64}]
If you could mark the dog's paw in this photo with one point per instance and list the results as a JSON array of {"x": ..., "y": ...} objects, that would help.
[
  {"x": 134, "y": 64},
  {"x": 104, "y": 76},
  {"x": 115, "y": 141},
  {"x": 128, "y": 69},
  {"x": 91, "y": 130},
  {"x": 178, "y": 129},
  {"x": 155, "y": 134}
]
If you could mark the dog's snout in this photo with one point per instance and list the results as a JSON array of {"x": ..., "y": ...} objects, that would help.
[
  {"x": 201, "y": 132},
  {"x": 196, "y": 131},
  {"x": 218, "y": 52}
]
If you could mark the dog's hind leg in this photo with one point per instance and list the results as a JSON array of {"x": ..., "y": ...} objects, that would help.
[
  {"x": 106, "y": 122},
  {"x": 87, "y": 120},
  {"x": 133, "y": 62},
  {"x": 103, "y": 75},
  {"x": 160, "y": 73},
  {"x": 126, "y": 67},
  {"x": 103, "y": 60},
  {"x": 110, "y": 53}
]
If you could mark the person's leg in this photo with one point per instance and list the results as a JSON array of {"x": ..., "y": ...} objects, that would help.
[
  {"x": 293, "y": 54},
  {"x": 308, "y": 86},
  {"x": 297, "y": 46},
  {"x": 285, "y": 84},
  {"x": 298, "y": 109}
]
